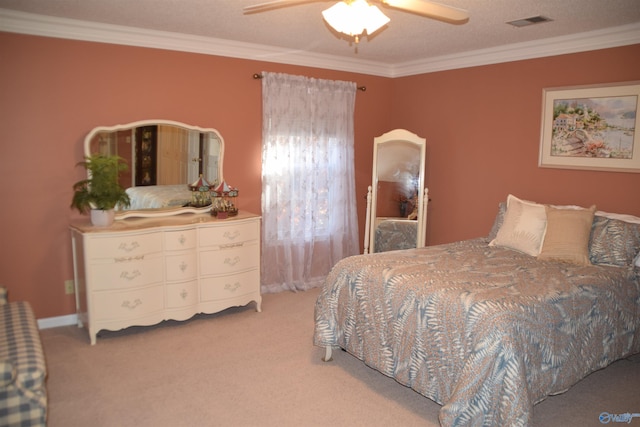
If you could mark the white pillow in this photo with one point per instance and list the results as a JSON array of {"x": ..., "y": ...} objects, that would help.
[{"x": 523, "y": 226}]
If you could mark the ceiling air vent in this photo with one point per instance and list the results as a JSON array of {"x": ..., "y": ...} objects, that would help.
[{"x": 529, "y": 21}]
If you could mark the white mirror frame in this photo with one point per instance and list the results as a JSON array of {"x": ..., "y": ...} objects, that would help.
[
  {"x": 158, "y": 212},
  {"x": 423, "y": 197}
]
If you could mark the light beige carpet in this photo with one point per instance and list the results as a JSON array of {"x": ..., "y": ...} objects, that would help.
[{"x": 243, "y": 368}]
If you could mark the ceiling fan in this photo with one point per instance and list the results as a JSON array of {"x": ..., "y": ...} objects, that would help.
[{"x": 424, "y": 8}]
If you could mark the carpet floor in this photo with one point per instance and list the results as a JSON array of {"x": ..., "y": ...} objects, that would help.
[{"x": 243, "y": 368}]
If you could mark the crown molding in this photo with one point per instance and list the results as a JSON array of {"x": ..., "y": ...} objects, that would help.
[
  {"x": 47, "y": 26},
  {"x": 574, "y": 43}
]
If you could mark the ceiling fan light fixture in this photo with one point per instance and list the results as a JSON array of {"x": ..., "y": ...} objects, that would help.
[{"x": 354, "y": 18}]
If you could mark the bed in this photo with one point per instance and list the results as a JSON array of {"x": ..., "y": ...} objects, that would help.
[
  {"x": 488, "y": 327},
  {"x": 158, "y": 196}
]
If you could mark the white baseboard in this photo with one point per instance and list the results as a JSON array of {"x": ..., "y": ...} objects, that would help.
[{"x": 54, "y": 322}]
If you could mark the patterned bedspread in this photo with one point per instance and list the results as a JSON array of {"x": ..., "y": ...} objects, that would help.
[{"x": 486, "y": 332}]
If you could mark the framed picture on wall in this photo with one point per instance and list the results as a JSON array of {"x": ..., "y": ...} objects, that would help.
[{"x": 591, "y": 127}]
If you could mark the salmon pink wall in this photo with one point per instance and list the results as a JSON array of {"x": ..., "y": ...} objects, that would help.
[
  {"x": 482, "y": 126},
  {"x": 53, "y": 92}
]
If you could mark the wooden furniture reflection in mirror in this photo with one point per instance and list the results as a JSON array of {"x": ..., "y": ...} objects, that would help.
[
  {"x": 397, "y": 198},
  {"x": 164, "y": 157}
]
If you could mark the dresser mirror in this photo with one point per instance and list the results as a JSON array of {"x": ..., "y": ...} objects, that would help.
[
  {"x": 397, "y": 198},
  {"x": 163, "y": 158}
]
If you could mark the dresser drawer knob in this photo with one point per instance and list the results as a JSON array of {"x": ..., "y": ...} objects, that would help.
[
  {"x": 128, "y": 247},
  {"x": 231, "y": 235},
  {"x": 232, "y": 261},
  {"x": 131, "y": 305},
  {"x": 130, "y": 275},
  {"x": 232, "y": 287}
]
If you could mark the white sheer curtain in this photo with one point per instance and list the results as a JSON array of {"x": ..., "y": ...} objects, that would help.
[{"x": 309, "y": 219}]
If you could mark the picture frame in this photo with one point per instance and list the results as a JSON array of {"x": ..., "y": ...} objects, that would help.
[{"x": 591, "y": 127}]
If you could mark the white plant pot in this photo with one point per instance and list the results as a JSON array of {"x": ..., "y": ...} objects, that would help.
[{"x": 101, "y": 218}]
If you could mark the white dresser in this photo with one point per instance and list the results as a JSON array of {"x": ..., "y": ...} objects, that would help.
[{"x": 141, "y": 271}]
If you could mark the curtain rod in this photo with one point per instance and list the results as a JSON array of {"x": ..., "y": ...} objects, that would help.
[{"x": 258, "y": 76}]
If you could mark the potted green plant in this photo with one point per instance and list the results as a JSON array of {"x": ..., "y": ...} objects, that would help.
[{"x": 101, "y": 192}]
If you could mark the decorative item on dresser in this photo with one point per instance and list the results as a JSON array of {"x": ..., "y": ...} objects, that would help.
[
  {"x": 223, "y": 201},
  {"x": 100, "y": 193},
  {"x": 141, "y": 271}
]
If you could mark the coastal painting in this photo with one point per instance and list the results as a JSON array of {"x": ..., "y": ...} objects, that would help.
[{"x": 591, "y": 127}]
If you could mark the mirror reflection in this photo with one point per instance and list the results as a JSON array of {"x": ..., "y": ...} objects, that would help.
[
  {"x": 398, "y": 174},
  {"x": 164, "y": 157},
  {"x": 396, "y": 207}
]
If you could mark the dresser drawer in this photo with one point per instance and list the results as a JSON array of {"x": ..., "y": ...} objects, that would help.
[
  {"x": 242, "y": 256},
  {"x": 179, "y": 240},
  {"x": 182, "y": 294},
  {"x": 124, "y": 248},
  {"x": 126, "y": 274},
  {"x": 129, "y": 304},
  {"x": 181, "y": 267},
  {"x": 223, "y": 287},
  {"x": 230, "y": 234}
]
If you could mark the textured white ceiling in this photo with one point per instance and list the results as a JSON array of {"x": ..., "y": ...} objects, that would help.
[{"x": 300, "y": 28}]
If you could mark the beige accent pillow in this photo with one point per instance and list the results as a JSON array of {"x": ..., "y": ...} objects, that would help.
[
  {"x": 523, "y": 226},
  {"x": 567, "y": 235}
]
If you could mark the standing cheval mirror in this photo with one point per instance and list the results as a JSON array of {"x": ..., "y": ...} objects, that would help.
[{"x": 397, "y": 198}]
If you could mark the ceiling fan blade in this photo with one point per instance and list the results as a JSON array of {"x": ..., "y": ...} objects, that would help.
[
  {"x": 275, "y": 4},
  {"x": 430, "y": 9}
]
